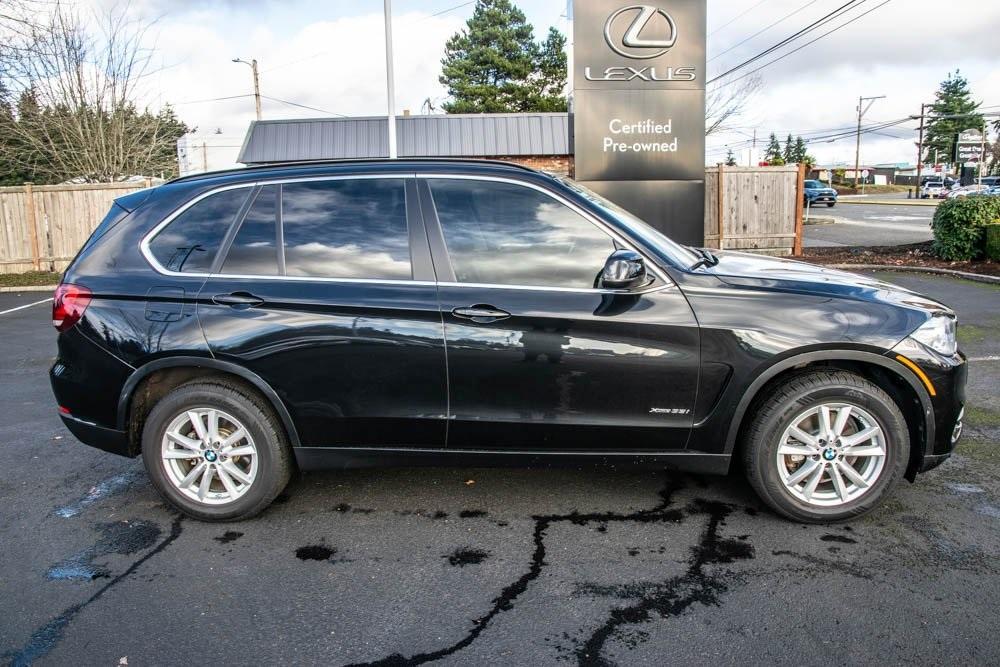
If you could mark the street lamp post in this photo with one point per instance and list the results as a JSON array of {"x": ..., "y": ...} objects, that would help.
[{"x": 256, "y": 81}]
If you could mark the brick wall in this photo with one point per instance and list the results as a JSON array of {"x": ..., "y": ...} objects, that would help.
[{"x": 557, "y": 164}]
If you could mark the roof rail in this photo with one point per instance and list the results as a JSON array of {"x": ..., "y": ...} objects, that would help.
[{"x": 260, "y": 166}]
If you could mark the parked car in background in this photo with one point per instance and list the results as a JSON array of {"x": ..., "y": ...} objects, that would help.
[
  {"x": 990, "y": 181},
  {"x": 232, "y": 326},
  {"x": 993, "y": 191},
  {"x": 933, "y": 190},
  {"x": 967, "y": 191},
  {"x": 817, "y": 193}
]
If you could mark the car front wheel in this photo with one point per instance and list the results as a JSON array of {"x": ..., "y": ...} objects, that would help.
[
  {"x": 826, "y": 446},
  {"x": 216, "y": 451}
]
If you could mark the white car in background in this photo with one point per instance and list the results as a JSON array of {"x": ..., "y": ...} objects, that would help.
[
  {"x": 933, "y": 190},
  {"x": 967, "y": 190}
]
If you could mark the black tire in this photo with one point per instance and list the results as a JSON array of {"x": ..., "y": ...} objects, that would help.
[
  {"x": 796, "y": 395},
  {"x": 830, "y": 204},
  {"x": 257, "y": 416}
]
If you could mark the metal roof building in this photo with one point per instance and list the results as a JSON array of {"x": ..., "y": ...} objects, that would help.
[{"x": 452, "y": 135}]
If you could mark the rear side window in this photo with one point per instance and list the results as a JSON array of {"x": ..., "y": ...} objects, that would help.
[
  {"x": 352, "y": 228},
  {"x": 254, "y": 250},
  {"x": 190, "y": 242}
]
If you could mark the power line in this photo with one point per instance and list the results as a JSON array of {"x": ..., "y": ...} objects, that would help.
[
  {"x": 797, "y": 49},
  {"x": 214, "y": 99},
  {"x": 737, "y": 17},
  {"x": 791, "y": 38},
  {"x": 763, "y": 30},
  {"x": 304, "y": 106}
]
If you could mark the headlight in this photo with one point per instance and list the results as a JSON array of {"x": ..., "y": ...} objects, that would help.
[{"x": 938, "y": 333}]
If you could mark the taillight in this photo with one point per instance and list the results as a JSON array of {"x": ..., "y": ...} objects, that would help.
[{"x": 68, "y": 305}]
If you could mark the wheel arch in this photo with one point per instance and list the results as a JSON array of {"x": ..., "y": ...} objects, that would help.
[
  {"x": 183, "y": 368},
  {"x": 901, "y": 384}
]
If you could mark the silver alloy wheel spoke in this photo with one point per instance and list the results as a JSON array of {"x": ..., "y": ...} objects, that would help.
[
  {"x": 838, "y": 482},
  {"x": 849, "y": 472},
  {"x": 831, "y": 454},
  {"x": 864, "y": 451},
  {"x": 803, "y": 472},
  {"x": 209, "y": 456},
  {"x": 185, "y": 442}
]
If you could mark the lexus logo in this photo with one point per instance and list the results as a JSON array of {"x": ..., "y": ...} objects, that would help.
[{"x": 642, "y": 48}]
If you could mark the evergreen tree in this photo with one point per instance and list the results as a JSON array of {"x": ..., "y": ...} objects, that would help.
[
  {"x": 494, "y": 65},
  {"x": 788, "y": 154},
  {"x": 952, "y": 98},
  {"x": 774, "y": 155},
  {"x": 800, "y": 151},
  {"x": 730, "y": 158},
  {"x": 551, "y": 74}
]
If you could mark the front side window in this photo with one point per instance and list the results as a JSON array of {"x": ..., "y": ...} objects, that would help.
[
  {"x": 190, "y": 242},
  {"x": 352, "y": 228},
  {"x": 508, "y": 234}
]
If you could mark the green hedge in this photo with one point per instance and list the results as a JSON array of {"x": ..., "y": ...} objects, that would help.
[{"x": 959, "y": 225}]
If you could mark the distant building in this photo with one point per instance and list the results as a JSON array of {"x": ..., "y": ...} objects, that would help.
[
  {"x": 207, "y": 152},
  {"x": 538, "y": 140}
]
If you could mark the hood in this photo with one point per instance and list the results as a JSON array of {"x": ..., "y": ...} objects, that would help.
[{"x": 761, "y": 271}]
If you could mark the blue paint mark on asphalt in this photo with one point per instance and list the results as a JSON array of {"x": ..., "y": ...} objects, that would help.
[{"x": 108, "y": 487}]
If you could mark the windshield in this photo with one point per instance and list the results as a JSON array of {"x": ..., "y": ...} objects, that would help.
[
  {"x": 813, "y": 184},
  {"x": 679, "y": 254}
]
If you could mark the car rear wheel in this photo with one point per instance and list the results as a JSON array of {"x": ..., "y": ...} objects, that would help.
[
  {"x": 830, "y": 204},
  {"x": 216, "y": 451},
  {"x": 826, "y": 446}
]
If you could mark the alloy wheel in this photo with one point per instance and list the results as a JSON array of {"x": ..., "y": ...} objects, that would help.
[
  {"x": 831, "y": 454},
  {"x": 209, "y": 456}
]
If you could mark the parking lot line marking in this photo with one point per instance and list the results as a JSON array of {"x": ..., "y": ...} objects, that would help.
[
  {"x": 992, "y": 357},
  {"x": 11, "y": 310}
]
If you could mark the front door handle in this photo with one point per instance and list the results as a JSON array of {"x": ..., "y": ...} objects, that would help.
[
  {"x": 241, "y": 300},
  {"x": 481, "y": 313}
]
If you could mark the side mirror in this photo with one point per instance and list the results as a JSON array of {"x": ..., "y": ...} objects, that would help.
[{"x": 624, "y": 269}]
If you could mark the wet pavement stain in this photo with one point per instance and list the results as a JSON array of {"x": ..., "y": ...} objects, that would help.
[
  {"x": 228, "y": 536},
  {"x": 119, "y": 537},
  {"x": 463, "y": 557},
  {"x": 838, "y": 538},
  {"x": 45, "y": 638},
  {"x": 665, "y": 599},
  {"x": 315, "y": 552},
  {"x": 103, "y": 489},
  {"x": 471, "y": 514}
]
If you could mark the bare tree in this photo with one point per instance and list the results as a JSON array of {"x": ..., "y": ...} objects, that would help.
[
  {"x": 726, "y": 103},
  {"x": 77, "y": 114}
]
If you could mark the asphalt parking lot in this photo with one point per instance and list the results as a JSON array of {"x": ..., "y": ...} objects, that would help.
[
  {"x": 474, "y": 566},
  {"x": 861, "y": 223}
]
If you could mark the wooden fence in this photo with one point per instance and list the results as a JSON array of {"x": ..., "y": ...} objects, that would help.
[
  {"x": 43, "y": 226},
  {"x": 760, "y": 209}
]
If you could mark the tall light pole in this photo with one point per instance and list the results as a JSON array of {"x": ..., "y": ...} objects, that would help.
[
  {"x": 256, "y": 81},
  {"x": 862, "y": 110},
  {"x": 389, "y": 84}
]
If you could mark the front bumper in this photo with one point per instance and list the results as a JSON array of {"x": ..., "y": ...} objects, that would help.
[{"x": 944, "y": 381}]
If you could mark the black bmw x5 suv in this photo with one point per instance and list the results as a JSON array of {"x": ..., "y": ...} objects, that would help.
[{"x": 231, "y": 326}]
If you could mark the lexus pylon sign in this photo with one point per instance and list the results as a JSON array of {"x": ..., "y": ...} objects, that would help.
[{"x": 639, "y": 109}]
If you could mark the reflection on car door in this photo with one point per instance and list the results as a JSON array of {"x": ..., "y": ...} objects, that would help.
[
  {"x": 321, "y": 294},
  {"x": 538, "y": 358}
]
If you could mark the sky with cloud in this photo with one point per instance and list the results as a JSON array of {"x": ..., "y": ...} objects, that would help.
[{"x": 328, "y": 55}]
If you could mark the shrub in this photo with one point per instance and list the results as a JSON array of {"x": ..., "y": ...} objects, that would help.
[
  {"x": 959, "y": 225},
  {"x": 993, "y": 241}
]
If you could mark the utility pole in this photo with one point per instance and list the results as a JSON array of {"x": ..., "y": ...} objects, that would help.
[
  {"x": 862, "y": 110},
  {"x": 256, "y": 81},
  {"x": 753, "y": 151},
  {"x": 920, "y": 150},
  {"x": 390, "y": 85}
]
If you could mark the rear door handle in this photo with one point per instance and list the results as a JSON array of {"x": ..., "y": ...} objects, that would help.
[
  {"x": 239, "y": 300},
  {"x": 481, "y": 313}
]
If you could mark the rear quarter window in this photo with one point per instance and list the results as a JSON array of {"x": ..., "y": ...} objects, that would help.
[{"x": 190, "y": 242}]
